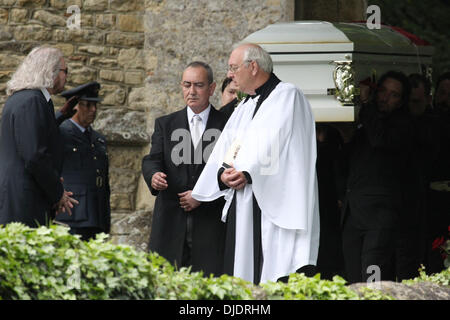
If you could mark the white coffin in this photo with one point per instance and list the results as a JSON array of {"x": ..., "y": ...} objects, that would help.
[{"x": 328, "y": 60}]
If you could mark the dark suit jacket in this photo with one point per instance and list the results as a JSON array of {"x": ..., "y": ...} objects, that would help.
[
  {"x": 169, "y": 223},
  {"x": 377, "y": 168},
  {"x": 85, "y": 173},
  {"x": 31, "y": 160}
]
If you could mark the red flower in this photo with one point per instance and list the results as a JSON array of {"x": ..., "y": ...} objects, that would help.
[{"x": 437, "y": 243}]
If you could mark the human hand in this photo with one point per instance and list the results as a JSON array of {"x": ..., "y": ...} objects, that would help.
[
  {"x": 67, "y": 109},
  {"x": 159, "y": 181},
  {"x": 233, "y": 179},
  {"x": 66, "y": 203},
  {"x": 187, "y": 202}
]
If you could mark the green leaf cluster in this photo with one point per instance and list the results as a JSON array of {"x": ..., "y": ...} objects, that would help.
[
  {"x": 442, "y": 278},
  {"x": 49, "y": 263},
  {"x": 301, "y": 287}
]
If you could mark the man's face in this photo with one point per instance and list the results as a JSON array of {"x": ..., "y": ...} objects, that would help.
[
  {"x": 442, "y": 99},
  {"x": 389, "y": 95},
  {"x": 239, "y": 71},
  {"x": 196, "y": 89},
  {"x": 60, "y": 81},
  {"x": 229, "y": 93},
  {"x": 418, "y": 101},
  {"x": 86, "y": 113}
]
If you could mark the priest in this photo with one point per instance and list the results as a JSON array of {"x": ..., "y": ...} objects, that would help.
[{"x": 264, "y": 166}]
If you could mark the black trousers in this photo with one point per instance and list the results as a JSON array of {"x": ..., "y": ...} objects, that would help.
[
  {"x": 368, "y": 253},
  {"x": 86, "y": 233}
]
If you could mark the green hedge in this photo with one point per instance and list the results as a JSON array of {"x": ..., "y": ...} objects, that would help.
[{"x": 49, "y": 263}]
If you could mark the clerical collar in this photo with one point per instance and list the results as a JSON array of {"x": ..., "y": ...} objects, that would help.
[
  {"x": 264, "y": 91},
  {"x": 266, "y": 88}
]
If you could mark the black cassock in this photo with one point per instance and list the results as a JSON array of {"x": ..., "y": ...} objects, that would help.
[
  {"x": 174, "y": 231},
  {"x": 31, "y": 158}
]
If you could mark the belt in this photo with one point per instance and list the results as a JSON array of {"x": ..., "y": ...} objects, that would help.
[{"x": 440, "y": 185}]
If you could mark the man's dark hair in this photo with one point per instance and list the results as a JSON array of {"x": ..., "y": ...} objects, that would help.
[
  {"x": 196, "y": 64},
  {"x": 416, "y": 79},
  {"x": 225, "y": 83},
  {"x": 403, "y": 79}
]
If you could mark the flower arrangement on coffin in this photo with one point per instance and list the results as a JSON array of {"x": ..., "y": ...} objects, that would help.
[{"x": 444, "y": 247}]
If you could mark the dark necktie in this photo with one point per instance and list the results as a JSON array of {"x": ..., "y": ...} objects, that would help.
[{"x": 87, "y": 133}]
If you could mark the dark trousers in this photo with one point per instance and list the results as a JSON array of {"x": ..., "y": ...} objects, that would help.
[
  {"x": 86, "y": 233},
  {"x": 368, "y": 253}
]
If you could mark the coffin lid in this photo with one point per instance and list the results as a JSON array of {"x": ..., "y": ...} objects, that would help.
[{"x": 323, "y": 36}]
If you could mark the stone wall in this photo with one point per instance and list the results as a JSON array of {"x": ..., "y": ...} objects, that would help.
[{"x": 137, "y": 50}]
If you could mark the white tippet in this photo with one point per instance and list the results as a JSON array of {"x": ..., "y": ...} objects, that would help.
[{"x": 278, "y": 150}]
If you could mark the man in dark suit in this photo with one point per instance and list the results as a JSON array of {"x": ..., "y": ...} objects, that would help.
[
  {"x": 85, "y": 169},
  {"x": 376, "y": 159},
  {"x": 185, "y": 231},
  {"x": 31, "y": 158}
]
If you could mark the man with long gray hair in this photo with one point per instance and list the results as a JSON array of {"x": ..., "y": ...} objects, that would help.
[{"x": 31, "y": 151}]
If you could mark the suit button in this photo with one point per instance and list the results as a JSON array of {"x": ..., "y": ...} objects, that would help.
[
  {"x": 95, "y": 158},
  {"x": 74, "y": 149}
]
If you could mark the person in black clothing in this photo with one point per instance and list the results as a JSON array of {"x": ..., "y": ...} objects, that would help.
[
  {"x": 184, "y": 231},
  {"x": 439, "y": 187},
  {"x": 229, "y": 97},
  {"x": 330, "y": 260},
  {"x": 411, "y": 240},
  {"x": 376, "y": 157},
  {"x": 31, "y": 150},
  {"x": 86, "y": 167}
]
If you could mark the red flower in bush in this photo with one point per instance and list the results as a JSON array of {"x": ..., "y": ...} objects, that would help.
[{"x": 437, "y": 243}]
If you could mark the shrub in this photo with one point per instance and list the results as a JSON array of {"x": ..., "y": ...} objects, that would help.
[{"x": 50, "y": 263}]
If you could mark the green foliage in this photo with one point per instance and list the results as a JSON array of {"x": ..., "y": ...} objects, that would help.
[
  {"x": 442, "y": 278},
  {"x": 50, "y": 263},
  {"x": 301, "y": 287}
]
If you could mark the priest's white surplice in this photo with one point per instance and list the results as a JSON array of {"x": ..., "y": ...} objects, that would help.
[{"x": 278, "y": 150}]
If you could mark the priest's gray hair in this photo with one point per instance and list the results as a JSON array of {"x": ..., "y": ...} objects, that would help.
[
  {"x": 254, "y": 52},
  {"x": 204, "y": 65},
  {"x": 39, "y": 69}
]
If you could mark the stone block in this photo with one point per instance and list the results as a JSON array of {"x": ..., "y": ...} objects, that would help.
[
  {"x": 64, "y": 4},
  {"x": 123, "y": 157},
  {"x": 30, "y": 3},
  {"x": 4, "y": 16},
  {"x": 103, "y": 62},
  {"x": 18, "y": 15},
  {"x": 121, "y": 202},
  {"x": 131, "y": 22},
  {"x": 123, "y": 180},
  {"x": 97, "y": 50},
  {"x": 125, "y": 39},
  {"x": 112, "y": 94},
  {"x": 95, "y": 5},
  {"x": 32, "y": 32},
  {"x": 134, "y": 77},
  {"x": 131, "y": 229},
  {"x": 131, "y": 58},
  {"x": 127, "y": 5},
  {"x": 111, "y": 75},
  {"x": 138, "y": 99},
  {"x": 105, "y": 21},
  {"x": 123, "y": 128},
  {"x": 81, "y": 75},
  {"x": 49, "y": 18},
  {"x": 8, "y": 60},
  {"x": 66, "y": 48}
]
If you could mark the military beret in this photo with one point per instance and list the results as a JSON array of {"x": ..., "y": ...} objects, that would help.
[{"x": 87, "y": 92}]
